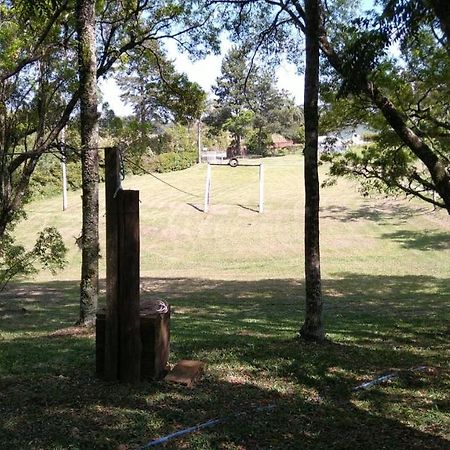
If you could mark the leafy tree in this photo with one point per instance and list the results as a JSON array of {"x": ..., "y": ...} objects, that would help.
[
  {"x": 412, "y": 157},
  {"x": 49, "y": 252},
  {"x": 239, "y": 126},
  {"x": 39, "y": 88},
  {"x": 355, "y": 52},
  {"x": 159, "y": 96},
  {"x": 32, "y": 102},
  {"x": 249, "y": 105},
  {"x": 157, "y": 92}
]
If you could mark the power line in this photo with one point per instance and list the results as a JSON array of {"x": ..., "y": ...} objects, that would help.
[{"x": 138, "y": 166}]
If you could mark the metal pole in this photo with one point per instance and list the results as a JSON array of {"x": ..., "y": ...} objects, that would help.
[
  {"x": 64, "y": 169},
  {"x": 261, "y": 188},
  {"x": 199, "y": 140},
  {"x": 207, "y": 189}
]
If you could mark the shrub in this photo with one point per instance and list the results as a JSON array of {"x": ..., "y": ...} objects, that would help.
[
  {"x": 169, "y": 162},
  {"x": 49, "y": 253}
]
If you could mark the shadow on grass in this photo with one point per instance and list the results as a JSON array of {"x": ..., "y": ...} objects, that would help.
[
  {"x": 420, "y": 240},
  {"x": 379, "y": 213},
  {"x": 244, "y": 331}
]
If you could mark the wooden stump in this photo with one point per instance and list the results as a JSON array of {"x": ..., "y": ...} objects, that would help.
[{"x": 155, "y": 337}]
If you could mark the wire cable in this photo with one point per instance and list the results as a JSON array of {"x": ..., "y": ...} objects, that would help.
[{"x": 138, "y": 166}]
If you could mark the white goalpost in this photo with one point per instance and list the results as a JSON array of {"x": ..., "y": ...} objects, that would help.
[{"x": 207, "y": 201}]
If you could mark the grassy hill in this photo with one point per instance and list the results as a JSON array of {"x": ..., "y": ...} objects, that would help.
[
  {"x": 235, "y": 281},
  {"x": 233, "y": 241}
]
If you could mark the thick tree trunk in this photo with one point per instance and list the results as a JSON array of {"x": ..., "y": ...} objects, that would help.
[
  {"x": 313, "y": 325},
  {"x": 89, "y": 142},
  {"x": 442, "y": 10}
]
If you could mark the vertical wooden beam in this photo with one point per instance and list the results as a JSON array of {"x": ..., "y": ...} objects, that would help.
[
  {"x": 129, "y": 281},
  {"x": 261, "y": 188},
  {"x": 207, "y": 189},
  {"x": 112, "y": 184}
]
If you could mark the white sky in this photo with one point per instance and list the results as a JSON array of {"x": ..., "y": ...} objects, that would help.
[{"x": 204, "y": 72}]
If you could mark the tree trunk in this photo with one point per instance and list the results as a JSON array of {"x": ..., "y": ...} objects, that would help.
[
  {"x": 87, "y": 66},
  {"x": 442, "y": 10},
  {"x": 312, "y": 328}
]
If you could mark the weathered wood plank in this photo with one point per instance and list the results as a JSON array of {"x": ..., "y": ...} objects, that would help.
[
  {"x": 129, "y": 287},
  {"x": 111, "y": 338}
]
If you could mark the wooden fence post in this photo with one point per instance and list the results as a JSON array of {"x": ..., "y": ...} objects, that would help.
[
  {"x": 129, "y": 287},
  {"x": 112, "y": 184}
]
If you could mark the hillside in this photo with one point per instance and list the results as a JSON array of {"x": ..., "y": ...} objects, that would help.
[
  {"x": 234, "y": 280},
  {"x": 233, "y": 241}
]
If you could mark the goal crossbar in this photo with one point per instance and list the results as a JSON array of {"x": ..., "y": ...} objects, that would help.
[{"x": 207, "y": 201}]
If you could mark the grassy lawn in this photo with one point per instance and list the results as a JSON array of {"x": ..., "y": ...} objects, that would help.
[{"x": 234, "y": 279}]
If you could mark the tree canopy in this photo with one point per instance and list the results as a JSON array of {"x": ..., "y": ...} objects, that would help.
[
  {"x": 416, "y": 83},
  {"x": 249, "y": 105},
  {"x": 39, "y": 86},
  {"x": 357, "y": 54}
]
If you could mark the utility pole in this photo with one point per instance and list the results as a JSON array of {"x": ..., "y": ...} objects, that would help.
[{"x": 199, "y": 139}]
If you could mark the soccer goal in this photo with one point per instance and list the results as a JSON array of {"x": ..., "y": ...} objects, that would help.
[{"x": 209, "y": 177}]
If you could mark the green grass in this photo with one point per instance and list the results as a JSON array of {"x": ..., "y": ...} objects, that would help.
[{"x": 234, "y": 279}]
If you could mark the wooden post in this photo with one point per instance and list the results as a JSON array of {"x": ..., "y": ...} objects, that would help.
[
  {"x": 112, "y": 183},
  {"x": 207, "y": 188},
  {"x": 261, "y": 188},
  {"x": 129, "y": 283}
]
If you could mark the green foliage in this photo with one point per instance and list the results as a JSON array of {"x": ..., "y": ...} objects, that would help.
[
  {"x": 47, "y": 177},
  {"x": 175, "y": 138},
  {"x": 258, "y": 142},
  {"x": 417, "y": 84},
  {"x": 157, "y": 92},
  {"x": 49, "y": 250},
  {"x": 377, "y": 167},
  {"x": 249, "y": 105},
  {"x": 172, "y": 161},
  {"x": 239, "y": 125},
  {"x": 48, "y": 253}
]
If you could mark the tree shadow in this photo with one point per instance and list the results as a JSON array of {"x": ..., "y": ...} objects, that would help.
[
  {"x": 249, "y": 208},
  {"x": 374, "y": 213},
  {"x": 244, "y": 331},
  {"x": 420, "y": 240},
  {"x": 197, "y": 208}
]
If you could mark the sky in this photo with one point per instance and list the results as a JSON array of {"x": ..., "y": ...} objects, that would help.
[{"x": 205, "y": 72}]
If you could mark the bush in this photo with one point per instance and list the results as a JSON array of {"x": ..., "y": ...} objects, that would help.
[
  {"x": 47, "y": 177},
  {"x": 169, "y": 162},
  {"x": 49, "y": 252}
]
